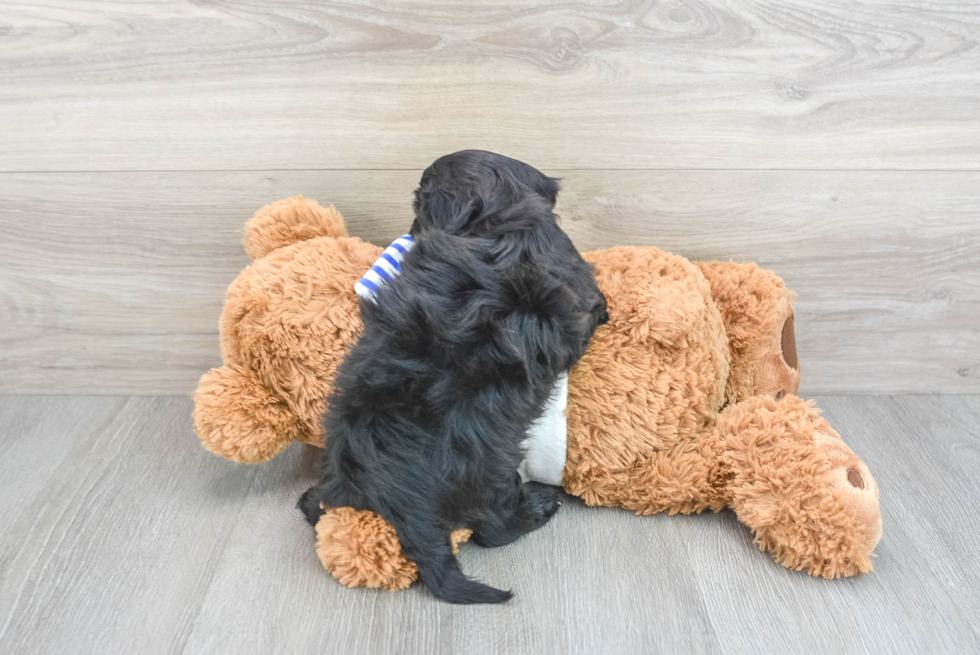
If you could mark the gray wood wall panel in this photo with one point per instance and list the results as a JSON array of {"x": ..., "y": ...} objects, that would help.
[
  {"x": 250, "y": 84},
  {"x": 113, "y": 282},
  {"x": 137, "y": 540},
  {"x": 835, "y": 143}
]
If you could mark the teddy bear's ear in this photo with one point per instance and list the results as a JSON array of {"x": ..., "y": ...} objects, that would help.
[{"x": 290, "y": 221}]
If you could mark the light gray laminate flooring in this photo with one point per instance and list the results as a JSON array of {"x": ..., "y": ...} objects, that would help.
[{"x": 121, "y": 535}]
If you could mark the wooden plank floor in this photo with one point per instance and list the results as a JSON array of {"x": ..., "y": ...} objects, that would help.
[{"x": 121, "y": 535}]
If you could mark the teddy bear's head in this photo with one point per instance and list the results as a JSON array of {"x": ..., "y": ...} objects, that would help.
[{"x": 288, "y": 321}]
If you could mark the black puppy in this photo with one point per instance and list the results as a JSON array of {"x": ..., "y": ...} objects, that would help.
[{"x": 459, "y": 356}]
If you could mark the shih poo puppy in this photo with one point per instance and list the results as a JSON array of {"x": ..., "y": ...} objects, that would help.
[{"x": 465, "y": 336}]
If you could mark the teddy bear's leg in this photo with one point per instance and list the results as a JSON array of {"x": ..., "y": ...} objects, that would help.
[
  {"x": 808, "y": 498},
  {"x": 523, "y": 509},
  {"x": 758, "y": 313},
  {"x": 617, "y": 460},
  {"x": 687, "y": 479}
]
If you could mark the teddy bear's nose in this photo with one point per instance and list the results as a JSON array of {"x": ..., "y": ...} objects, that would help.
[{"x": 854, "y": 477}]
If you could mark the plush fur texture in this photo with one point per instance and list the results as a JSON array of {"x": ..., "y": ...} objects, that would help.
[
  {"x": 459, "y": 355},
  {"x": 361, "y": 549},
  {"x": 672, "y": 408},
  {"x": 810, "y": 499},
  {"x": 288, "y": 322},
  {"x": 758, "y": 314}
]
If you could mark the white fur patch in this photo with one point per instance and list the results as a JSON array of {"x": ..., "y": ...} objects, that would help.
[{"x": 546, "y": 446}]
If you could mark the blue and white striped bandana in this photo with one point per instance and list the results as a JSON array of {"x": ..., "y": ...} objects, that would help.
[{"x": 385, "y": 269}]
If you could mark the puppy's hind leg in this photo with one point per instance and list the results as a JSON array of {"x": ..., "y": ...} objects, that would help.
[
  {"x": 522, "y": 509},
  {"x": 309, "y": 504},
  {"x": 329, "y": 493}
]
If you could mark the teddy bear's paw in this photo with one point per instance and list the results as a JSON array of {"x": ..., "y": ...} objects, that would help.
[
  {"x": 237, "y": 418},
  {"x": 809, "y": 498},
  {"x": 848, "y": 510},
  {"x": 758, "y": 313},
  {"x": 826, "y": 522},
  {"x": 830, "y": 535},
  {"x": 361, "y": 549}
]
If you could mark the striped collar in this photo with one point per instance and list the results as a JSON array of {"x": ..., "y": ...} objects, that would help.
[{"x": 387, "y": 267}]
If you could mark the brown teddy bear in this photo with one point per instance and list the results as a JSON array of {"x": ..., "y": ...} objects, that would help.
[{"x": 683, "y": 402}]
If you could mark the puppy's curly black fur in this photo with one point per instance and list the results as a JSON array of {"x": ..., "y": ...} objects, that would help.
[{"x": 458, "y": 357}]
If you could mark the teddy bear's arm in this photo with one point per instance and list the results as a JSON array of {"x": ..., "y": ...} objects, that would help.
[{"x": 361, "y": 549}]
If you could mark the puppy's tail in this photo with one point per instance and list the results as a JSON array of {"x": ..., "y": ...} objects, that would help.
[
  {"x": 439, "y": 569},
  {"x": 442, "y": 576}
]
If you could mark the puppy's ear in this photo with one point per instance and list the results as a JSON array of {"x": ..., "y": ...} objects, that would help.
[
  {"x": 518, "y": 337},
  {"x": 547, "y": 333},
  {"x": 548, "y": 188},
  {"x": 445, "y": 211},
  {"x": 442, "y": 208}
]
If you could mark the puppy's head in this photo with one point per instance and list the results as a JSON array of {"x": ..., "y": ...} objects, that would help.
[{"x": 480, "y": 193}]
